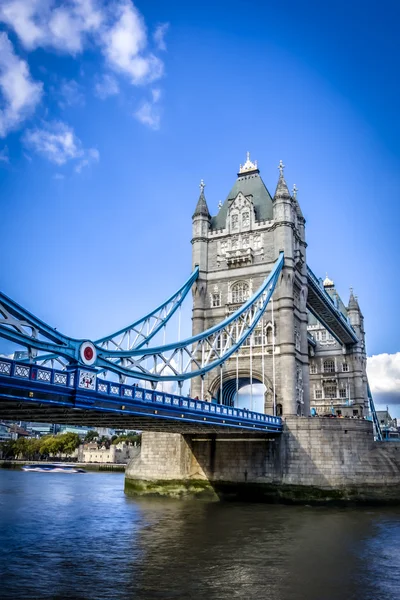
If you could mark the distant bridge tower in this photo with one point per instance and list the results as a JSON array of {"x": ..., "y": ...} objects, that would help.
[{"x": 235, "y": 250}]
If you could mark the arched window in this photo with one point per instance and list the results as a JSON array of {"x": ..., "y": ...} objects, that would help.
[
  {"x": 329, "y": 366},
  {"x": 269, "y": 334},
  {"x": 279, "y": 410},
  {"x": 240, "y": 292}
]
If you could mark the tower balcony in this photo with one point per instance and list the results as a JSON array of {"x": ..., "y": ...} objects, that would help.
[{"x": 242, "y": 256}]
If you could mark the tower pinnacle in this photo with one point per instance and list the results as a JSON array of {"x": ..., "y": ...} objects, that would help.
[
  {"x": 282, "y": 190},
  {"x": 201, "y": 207},
  {"x": 248, "y": 166}
]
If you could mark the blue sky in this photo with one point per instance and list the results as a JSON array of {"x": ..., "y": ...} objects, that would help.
[{"x": 111, "y": 113}]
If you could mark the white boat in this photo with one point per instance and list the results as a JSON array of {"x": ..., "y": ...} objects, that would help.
[{"x": 53, "y": 468}]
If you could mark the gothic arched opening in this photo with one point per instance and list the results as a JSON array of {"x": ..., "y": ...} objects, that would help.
[{"x": 243, "y": 394}]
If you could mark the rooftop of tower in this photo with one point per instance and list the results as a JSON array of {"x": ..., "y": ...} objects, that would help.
[{"x": 249, "y": 183}]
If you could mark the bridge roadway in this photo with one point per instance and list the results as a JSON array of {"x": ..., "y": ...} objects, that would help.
[{"x": 29, "y": 392}]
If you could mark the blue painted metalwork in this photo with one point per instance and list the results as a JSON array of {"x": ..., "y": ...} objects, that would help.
[
  {"x": 199, "y": 354},
  {"x": 80, "y": 388},
  {"x": 321, "y": 305},
  {"x": 172, "y": 362},
  {"x": 140, "y": 332},
  {"x": 375, "y": 420}
]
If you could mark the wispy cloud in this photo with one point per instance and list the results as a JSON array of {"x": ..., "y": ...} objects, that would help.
[
  {"x": 58, "y": 143},
  {"x": 384, "y": 377},
  {"x": 159, "y": 35},
  {"x": 71, "y": 94},
  {"x": 4, "y": 155},
  {"x": 124, "y": 44},
  {"x": 148, "y": 112},
  {"x": 19, "y": 92},
  {"x": 106, "y": 86}
]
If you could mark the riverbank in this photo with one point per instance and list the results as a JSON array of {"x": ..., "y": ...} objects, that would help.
[{"x": 17, "y": 464}]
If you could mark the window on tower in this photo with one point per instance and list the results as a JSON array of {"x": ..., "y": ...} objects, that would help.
[
  {"x": 313, "y": 368},
  {"x": 235, "y": 221},
  {"x": 345, "y": 367},
  {"x": 246, "y": 219},
  {"x": 240, "y": 292},
  {"x": 318, "y": 394},
  {"x": 330, "y": 391},
  {"x": 329, "y": 366},
  {"x": 216, "y": 299}
]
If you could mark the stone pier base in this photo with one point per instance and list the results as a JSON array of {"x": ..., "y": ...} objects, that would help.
[{"x": 315, "y": 460}]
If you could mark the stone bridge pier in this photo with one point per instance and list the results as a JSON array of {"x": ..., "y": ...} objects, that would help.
[{"x": 313, "y": 460}]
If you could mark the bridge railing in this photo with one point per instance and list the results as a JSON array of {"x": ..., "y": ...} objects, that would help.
[{"x": 93, "y": 387}]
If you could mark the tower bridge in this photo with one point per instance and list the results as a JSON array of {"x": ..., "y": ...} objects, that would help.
[
  {"x": 260, "y": 316},
  {"x": 253, "y": 296}
]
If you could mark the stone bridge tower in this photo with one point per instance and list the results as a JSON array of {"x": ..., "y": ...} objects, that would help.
[{"x": 235, "y": 250}]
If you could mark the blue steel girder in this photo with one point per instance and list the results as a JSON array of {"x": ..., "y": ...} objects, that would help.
[
  {"x": 199, "y": 354},
  {"x": 22, "y": 327},
  {"x": 321, "y": 305},
  {"x": 140, "y": 332},
  {"x": 172, "y": 362}
]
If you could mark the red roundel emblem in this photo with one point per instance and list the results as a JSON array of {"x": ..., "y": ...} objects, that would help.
[{"x": 88, "y": 353}]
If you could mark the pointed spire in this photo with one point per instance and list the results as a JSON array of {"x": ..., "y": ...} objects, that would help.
[
  {"x": 353, "y": 303},
  {"x": 201, "y": 207},
  {"x": 282, "y": 190}
]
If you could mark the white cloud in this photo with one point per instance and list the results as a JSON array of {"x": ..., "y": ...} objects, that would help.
[
  {"x": 384, "y": 377},
  {"x": 59, "y": 176},
  {"x": 106, "y": 86},
  {"x": 58, "y": 143},
  {"x": 159, "y": 35},
  {"x": 46, "y": 23},
  {"x": 20, "y": 94},
  {"x": 71, "y": 94},
  {"x": 4, "y": 155},
  {"x": 91, "y": 156},
  {"x": 124, "y": 42},
  {"x": 148, "y": 114},
  {"x": 156, "y": 95},
  {"x": 117, "y": 28}
]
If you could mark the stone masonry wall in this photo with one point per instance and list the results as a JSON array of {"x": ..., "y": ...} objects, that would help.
[{"x": 314, "y": 458}]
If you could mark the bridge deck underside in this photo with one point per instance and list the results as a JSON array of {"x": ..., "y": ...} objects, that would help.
[
  {"x": 92, "y": 418},
  {"x": 326, "y": 314},
  {"x": 20, "y": 404}
]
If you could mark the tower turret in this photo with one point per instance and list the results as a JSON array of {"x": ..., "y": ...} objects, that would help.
[
  {"x": 284, "y": 242},
  {"x": 359, "y": 351},
  {"x": 200, "y": 226}
]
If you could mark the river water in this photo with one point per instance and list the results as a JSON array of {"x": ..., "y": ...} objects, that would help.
[{"x": 80, "y": 537}]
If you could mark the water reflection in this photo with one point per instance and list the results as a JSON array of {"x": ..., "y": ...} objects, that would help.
[{"x": 71, "y": 536}]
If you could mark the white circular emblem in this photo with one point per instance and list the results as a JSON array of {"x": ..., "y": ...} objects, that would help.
[{"x": 88, "y": 353}]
